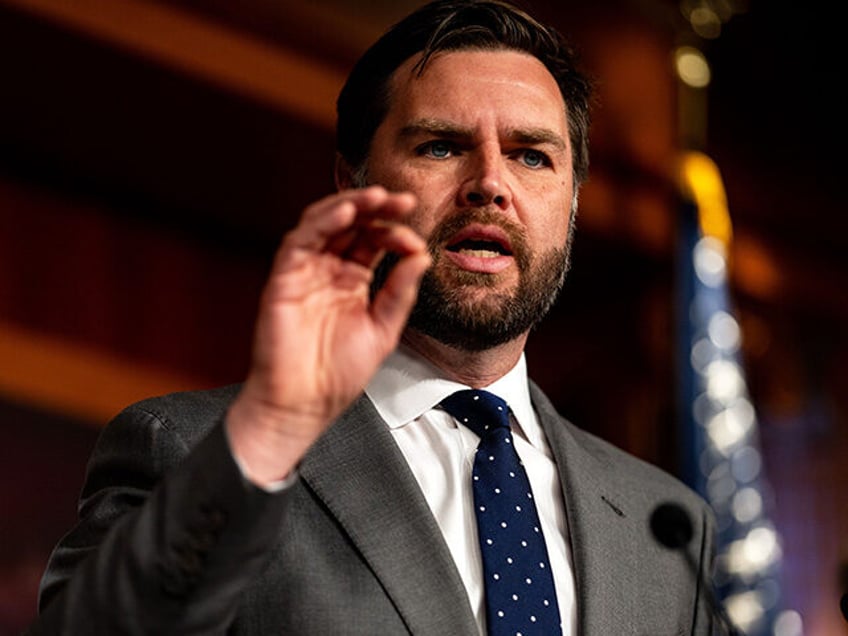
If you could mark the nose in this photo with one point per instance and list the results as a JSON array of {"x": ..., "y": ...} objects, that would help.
[{"x": 484, "y": 182}]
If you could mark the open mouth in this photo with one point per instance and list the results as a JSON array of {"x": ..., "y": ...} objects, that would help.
[
  {"x": 489, "y": 242},
  {"x": 479, "y": 247}
]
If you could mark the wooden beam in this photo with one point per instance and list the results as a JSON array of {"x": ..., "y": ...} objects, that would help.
[{"x": 270, "y": 74}]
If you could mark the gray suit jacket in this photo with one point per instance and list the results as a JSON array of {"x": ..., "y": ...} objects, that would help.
[{"x": 171, "y": 539}]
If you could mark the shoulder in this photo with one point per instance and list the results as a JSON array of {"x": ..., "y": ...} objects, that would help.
[
  {"x": 188, "y": 404},
  {"x": 186, "y": 415},
  {"x": 634, "y": 479}
]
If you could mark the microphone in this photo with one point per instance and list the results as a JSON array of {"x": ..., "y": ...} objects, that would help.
[{"x": 672, "y": 528}]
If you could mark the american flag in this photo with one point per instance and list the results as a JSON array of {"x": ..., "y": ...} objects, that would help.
[{"x": 722, "y": 455}]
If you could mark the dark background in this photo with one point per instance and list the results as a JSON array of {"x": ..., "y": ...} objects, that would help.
[{"x": 144, "y": 188}]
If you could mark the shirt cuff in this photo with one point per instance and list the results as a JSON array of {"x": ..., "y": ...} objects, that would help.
[{"x": 273, "y": 487}]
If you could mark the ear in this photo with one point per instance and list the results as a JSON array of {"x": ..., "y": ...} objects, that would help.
[{"x": 343, "y": 173}]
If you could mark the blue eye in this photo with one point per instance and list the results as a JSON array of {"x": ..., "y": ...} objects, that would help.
[
  {"x": 534, "y": 159},
  {"x": 436, "y": 150},
  {"x": 439, "y": 149}
]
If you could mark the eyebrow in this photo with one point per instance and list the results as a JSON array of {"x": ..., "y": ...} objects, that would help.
[
  {"x": 436, "y": 127},
  {"x": 537, "y": 136},
  {"x": 448, "y": 130}
]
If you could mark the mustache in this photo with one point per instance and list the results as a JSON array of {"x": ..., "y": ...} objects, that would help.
[{"x": 448, "y": 227}]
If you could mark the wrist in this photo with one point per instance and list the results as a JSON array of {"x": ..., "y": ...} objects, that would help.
[{"x": 268, "y": 442}]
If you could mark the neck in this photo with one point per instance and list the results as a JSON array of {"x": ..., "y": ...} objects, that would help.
[{"x": 477, "y": 369}]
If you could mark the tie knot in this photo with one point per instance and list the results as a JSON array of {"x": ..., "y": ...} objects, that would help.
[{"x": 480, "y": 411}]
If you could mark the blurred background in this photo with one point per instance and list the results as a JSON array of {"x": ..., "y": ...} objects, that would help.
[{"x": 152, "y": 154}]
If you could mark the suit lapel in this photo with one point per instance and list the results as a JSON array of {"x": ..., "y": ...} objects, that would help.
[
  {"x": 600, "y": 530},
  {"x": 361, "y": 476},
  {"x": 357, "y": 470}
]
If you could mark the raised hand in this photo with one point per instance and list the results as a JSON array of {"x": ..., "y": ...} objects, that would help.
[{"x": 319, "y": 338}]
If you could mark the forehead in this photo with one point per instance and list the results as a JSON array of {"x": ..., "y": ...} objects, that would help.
[{"x": 472, "y": 86}]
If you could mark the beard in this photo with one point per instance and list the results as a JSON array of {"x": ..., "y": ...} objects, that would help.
[{"x": 450, "y": 307}]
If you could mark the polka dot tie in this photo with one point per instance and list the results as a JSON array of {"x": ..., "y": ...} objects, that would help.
[{"x": 520, "y": 598}]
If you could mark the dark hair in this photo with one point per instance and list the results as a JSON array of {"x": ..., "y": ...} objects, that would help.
[{"x": 450, "y": 25}]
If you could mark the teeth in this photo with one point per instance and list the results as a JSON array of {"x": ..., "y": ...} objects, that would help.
[{"x": 480, "y": 253}]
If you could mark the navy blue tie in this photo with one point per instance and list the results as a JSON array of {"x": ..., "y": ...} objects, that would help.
[{"x": 519, "y": 585}]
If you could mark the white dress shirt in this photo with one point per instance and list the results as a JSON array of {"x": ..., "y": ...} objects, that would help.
[{"x": 440, "y": 453}]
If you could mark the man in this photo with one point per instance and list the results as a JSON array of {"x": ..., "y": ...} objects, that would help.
[{"x": 331, "y": 493}]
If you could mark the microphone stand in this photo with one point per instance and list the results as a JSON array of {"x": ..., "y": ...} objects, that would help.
[
  {"x": 672, "y": 528},
  {"x": 716, "y": 607}
]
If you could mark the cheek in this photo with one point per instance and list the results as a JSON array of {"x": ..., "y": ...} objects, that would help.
[
  {"x": 435, "y": 193},
  {"x": 548, "y": 216},
  {"x": 421, "y": 222},
  {"x": 427, "y": 216},
  {"x": 400, "y": 176}
]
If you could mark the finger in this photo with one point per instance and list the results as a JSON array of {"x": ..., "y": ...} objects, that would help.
[
  {"x": 330, "y": 218},
  {"x": 320, "y": 223},
  {"x": 394, "y": 301},
  {"x": 370, "y": 203},
  {"x": 367, "y": 246},
  {"x": 392, "y": 206},
  {"x": 375, "y": 206}
]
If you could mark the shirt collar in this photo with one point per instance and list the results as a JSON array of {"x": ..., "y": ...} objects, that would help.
[{"x": 406, "y": 386}]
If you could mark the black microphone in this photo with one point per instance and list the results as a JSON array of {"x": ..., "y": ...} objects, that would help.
[
  {"x": 672, "y": 528},
  {"x": 843, "y": 605}
]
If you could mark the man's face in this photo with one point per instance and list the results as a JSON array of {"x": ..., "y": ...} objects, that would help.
[{"x": 481, "y": 138}]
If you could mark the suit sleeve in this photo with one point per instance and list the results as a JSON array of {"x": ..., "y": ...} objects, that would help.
[{"x": 168, "y": 536}]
